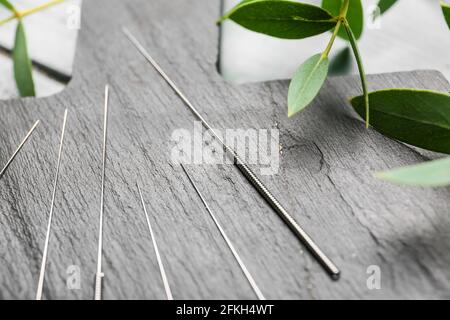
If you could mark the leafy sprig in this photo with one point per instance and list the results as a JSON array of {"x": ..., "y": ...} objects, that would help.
[
  {"x": 294, "y": 20},
  {"x": 23, "y": 73},
  {"x": 417, "y": 117}
]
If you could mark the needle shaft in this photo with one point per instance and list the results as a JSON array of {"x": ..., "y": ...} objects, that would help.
[
  {"x": 99, "y": 275},
  {"x": 244, "y": 269},
  {"x": 301, "y": 234},
  {"x": 50, "y": 217},
  {"x": 19, "y": 148},
  {"x": 155, "y": 247}
]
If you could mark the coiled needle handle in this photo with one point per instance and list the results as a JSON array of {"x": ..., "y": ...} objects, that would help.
[
  {"x": 326, "y": 263},
  {"x": 98, "y": 286}
]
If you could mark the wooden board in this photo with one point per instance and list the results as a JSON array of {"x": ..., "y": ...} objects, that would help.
[{"x": 325, "y": 178}]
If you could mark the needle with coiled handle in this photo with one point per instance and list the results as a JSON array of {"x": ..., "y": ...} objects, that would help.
[{"x": 301, "y": 234}]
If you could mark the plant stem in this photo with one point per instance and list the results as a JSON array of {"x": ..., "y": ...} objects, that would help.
[
  {"x": 362, "y": 73},
  {"x": 8, "y": 19},
  {"x": 26, "y": 12},
  {"x": 344, "y": 9},
  {"x": 333, "y": 37},
  {"x": 341, "y": 18},
  {"x": 39, "y": 7}
]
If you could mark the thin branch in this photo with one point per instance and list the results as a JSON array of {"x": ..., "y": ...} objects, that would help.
[{"x": 27, "y": 12}]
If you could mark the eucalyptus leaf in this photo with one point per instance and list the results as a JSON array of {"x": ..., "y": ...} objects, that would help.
[
  {"x": 22, "y": 64},
  {"x": 446, "y": 10},
  {"x": 281, "y": 19},
  {"x": 355, "y": 15},
  {"x": 307, "y": 82},
  {"x": 8, "y": 5},
  {"x": 385, "y": 5},
  {"x": 341, "y": 63},
  {"x": 417, "y": 117},
  {"x": 429, "y": 174}
]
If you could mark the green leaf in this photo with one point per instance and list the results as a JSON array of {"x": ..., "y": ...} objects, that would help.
[
  {"x": 281, "y": 19},
  {"x": 306, "y": 83},
  {"x": 417, "y": 117},
  {"x": 8, "y": 5},
  {"x": 341, "y": 63},
  {"x": 385, "y": 5},
  {"x": 22, "y": 64},
  {"x": 430, "y": 174},
  {"x": 446, "y": 10},
  {"x": 355, "y": 15}
]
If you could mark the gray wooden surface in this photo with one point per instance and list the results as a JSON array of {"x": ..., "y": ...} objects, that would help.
[{"x": 325, "y": 178}]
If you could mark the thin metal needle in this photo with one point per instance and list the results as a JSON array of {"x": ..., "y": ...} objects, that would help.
[
  {"x": 49, "y": 225},
  {"x": 19, "y": 148},
  {"x": 99, "y": 275},
  {"x": 301, "y": 234},
  {"x": 227, "y": 240},
  {"x": 155, "y": 246}
]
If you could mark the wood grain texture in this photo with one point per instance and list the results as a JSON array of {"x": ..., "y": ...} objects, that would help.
[{"x": 325, "y": 178}]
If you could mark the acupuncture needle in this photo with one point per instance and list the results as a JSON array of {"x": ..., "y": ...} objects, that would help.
[
  {"x": 299, "y": 232},
  {"x": 227, "y": 240},
  {"x": 99, "y": 275},
  {"x": 19, "y": 148},
  {"x": 50, "y": 217},
  {"x": 155, "y": 247}
]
